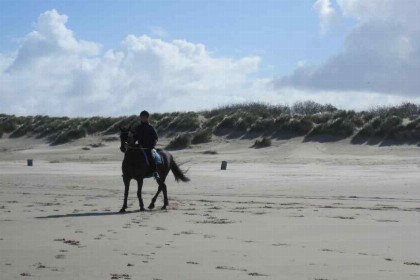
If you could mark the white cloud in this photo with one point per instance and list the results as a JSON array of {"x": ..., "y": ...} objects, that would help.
[
  {"x": 51, "y": 38},
  {"x": 327, "y": 15},
  {"x": 54, "y": 73},
  {"x": 158, "y": 32},
  {"x": 381, "y": 55}
]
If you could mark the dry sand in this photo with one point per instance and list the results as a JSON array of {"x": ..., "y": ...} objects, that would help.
[{"x": 291, "y": 211}]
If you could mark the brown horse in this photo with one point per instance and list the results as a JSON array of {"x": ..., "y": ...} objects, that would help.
[{"x": 135, "y": 166}]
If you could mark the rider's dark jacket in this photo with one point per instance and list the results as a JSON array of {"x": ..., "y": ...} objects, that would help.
[{"x": 146, "y": 134}]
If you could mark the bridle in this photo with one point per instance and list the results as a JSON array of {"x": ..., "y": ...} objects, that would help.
[{"x": 130, "y": 147}]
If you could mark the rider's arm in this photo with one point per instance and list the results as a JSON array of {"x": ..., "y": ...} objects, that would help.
[
  {"x": 155, "y": 136},
  {"x": 136, "y": 135}
]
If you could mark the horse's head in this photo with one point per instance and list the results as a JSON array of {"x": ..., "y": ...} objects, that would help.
[{"x": 126, "y": 137}]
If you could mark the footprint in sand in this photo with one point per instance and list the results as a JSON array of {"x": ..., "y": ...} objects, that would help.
[
  {"x": 99, "y": 237},
  {"x": 411, "y": 263},
  {"x": 69, "y": 242},
  {"x": 39, "y": 265},
  {"x": 256, "y": 274},
  {"x": 343, "y": 218},
  {"x": 223, "y": 267},
  {"x": 387, "y": 221},
  {"x": 185, "y": 233},
  {"x": 280, "y": 244},
  {"x": 120, "y": 276},
  {"x": 160, "y": 228},
  {"x": 329, "y": 250}
]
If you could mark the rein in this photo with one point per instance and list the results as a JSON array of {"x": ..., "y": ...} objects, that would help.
[
  {"x": 134, "y": 148},
  {"x": 129, "y": 147}
]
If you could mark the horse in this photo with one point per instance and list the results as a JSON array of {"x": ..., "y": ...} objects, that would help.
[{"x": 135, "y": 166}]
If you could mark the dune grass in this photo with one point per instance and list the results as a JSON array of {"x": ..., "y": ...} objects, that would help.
[
  {"x": 202, "y": 136},
  {"x": 262, "y": 143},
  {"x": 308, "y": 118},
  {"x": 182, "y": 141}
]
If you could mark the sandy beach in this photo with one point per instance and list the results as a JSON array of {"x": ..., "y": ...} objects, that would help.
[{"x": 295, "y": 210}]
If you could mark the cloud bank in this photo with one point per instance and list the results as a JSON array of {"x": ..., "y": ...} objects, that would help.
[
  {"x": 54, "y": 73},
  {"x": 381, "y": 55},
  {"x": 327, "y": 15}
]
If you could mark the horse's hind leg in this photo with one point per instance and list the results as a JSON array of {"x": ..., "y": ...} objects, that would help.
[
  {"x": 139, "y": 187},
  {"x": 165, "y": 196},
  {"x": 127, "y": 187},
  {"x": 152, "y": 203}
]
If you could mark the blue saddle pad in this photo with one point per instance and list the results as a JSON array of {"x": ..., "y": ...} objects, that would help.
[{"x": 158, "y": 159}]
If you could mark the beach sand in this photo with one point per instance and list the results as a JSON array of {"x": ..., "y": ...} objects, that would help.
[{"x": 295, "y": 210}]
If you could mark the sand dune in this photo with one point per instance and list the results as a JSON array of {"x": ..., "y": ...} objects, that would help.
[{"x": 291, "y": 211}]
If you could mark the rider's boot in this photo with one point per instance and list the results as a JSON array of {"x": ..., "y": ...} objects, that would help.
[{"x": 154, "y": 169}]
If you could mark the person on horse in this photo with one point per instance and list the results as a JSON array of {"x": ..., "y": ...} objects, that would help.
[{"x": 147, "y": 137}]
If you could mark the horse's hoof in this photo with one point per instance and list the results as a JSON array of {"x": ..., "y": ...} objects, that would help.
[
  {"x": 151, "y": 206},
  {"x": 122, "y": 210},
  {"x": 142, "y": 209},
  {"x": 163, "y": 207}
]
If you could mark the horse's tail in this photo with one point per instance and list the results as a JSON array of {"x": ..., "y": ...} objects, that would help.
[{"x": 178, "y": 173}]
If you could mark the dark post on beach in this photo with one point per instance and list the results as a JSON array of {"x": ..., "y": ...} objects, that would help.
[
  {"x": 224, "y": 165},
  {"x": 30, "y": 162}
]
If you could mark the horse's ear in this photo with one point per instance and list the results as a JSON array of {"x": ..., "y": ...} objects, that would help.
[{"x": 123, "y": 128}]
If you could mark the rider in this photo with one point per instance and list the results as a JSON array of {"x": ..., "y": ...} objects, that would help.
[{"x": 147, "y": 137}]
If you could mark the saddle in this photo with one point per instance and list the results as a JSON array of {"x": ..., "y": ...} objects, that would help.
[{"x": 156, "y": 157}]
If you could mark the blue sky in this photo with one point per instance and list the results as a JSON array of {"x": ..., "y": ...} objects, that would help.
[
  {"x": 282, "y": 32},
  {"x": 82, "y": 58}
]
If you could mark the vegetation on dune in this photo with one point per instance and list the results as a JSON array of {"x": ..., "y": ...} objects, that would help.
[
  {"x": 252, "y": 120},
  {"x": 68, "y": 135},
  {"x": 335, "y": 127},
  {"x": 298, "y": 125},
  {"x": 381, "y": 127},
  {"x": 311, "y": 108},
  {"x": 263, "y": 143},
  {"x": 180, "y": 142},
  {"x": 202, "y": 136},
  {"x": 184, "y": 122}
]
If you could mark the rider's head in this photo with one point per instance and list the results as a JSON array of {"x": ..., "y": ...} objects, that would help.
[{"x": 144, "y": 116}]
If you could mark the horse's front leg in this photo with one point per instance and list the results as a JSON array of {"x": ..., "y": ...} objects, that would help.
[
  {"x": 139, "y": 187},
  {"x": 127, "y": 187}
]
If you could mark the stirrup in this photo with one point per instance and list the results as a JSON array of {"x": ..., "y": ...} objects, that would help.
[{"x": 156, "y": 175}]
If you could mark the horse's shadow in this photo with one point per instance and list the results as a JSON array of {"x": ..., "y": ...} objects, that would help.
[{"x": 89, "y": 214}]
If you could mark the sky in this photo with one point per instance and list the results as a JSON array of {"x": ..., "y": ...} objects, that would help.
[{"x": 86, "y": 58}]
